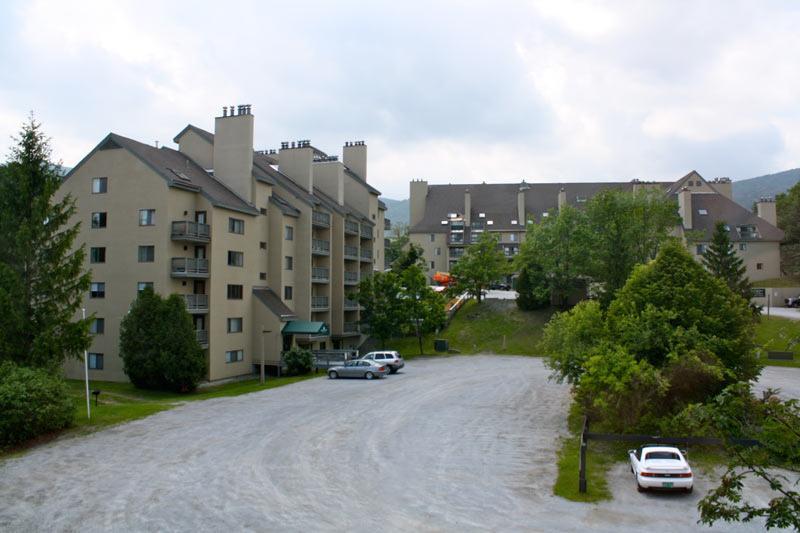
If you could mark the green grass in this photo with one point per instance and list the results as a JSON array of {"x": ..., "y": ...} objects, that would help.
[
  {"x": 778, "y": 334},
  {"x": 777, "y": 282},
  {"x": 493, "y": 326}
]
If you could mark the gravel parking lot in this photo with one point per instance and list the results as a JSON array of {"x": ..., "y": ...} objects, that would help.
[{"x": 454, "y": 444}]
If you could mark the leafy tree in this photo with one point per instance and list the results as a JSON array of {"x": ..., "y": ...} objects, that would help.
[
  {"x": 559, "y": 244},
  {"x": 787, "y": 205},
  {"x": 382, "y": 306},
  {"x": 625, "y": 229},
  {"x": 397, "y": 242},
  {"x": 423, "y": 307},
  {"x": 158, "y": 344},
  {"x": 409, "y": 256},
  {"x": 299, "y": 361},
  {"x": 482, "y": 263},
  {"x": 569, "y": 338},
  {"x": 721, "y": 260},
  {"x": 42, "y": 280},
  {"x": 532, "y": 288}
]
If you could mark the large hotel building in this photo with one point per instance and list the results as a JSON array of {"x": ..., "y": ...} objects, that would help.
[{"x": 264, "y": 246}]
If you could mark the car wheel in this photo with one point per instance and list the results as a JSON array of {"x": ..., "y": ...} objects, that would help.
[
  {"x": 639, "y": 488},
  {"x": 369, "y": 375},
  {"x": 690, "y": 490},
  {"x": 393, "y": 369},
  {"x": 333, "y": 374}
]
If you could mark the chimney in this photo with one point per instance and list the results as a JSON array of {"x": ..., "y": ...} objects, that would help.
[
  {"x": 685, "y": 207},
  {"x": 467, "y": 206},
  {"x": 562, "y": 198},
  {"x": 233, "y": 151},
  {"x": 354, "y": 157},
  {"x": 724, "y": 186},
  {"x": 296, "y": 162},
  {"x": 765, "y": 208},
  {"x": 418, "y": 196},
  {"x": 521, "y": 204}
]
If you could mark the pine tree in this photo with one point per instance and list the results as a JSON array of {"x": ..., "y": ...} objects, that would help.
[
  {"x": 42, "y": 280},
  {"x": 721, "y": 260}
]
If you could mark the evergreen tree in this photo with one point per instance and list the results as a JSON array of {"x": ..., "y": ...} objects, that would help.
[
  {"x": 721, "y": 260},
  {"x": 42, "y": 280}
]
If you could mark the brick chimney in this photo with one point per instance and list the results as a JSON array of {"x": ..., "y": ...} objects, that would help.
[{"x": 233, "y": 150}]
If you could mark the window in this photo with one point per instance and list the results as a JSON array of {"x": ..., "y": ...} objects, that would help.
[
  {"x": 97, "y": 290},
  {"x": 262, "y": 275},
  {"x": 235, "y": 259},
  {"x": 288, "y": 233},
  {"x": 289, "y": 262},
  {"x": 234, "y": 356},
  {"x": 98, "y": 220},
  {"x": 236, "y": 225},
  {"x": 512, "y": 237},
  {"x": 287, "y": 293},
  {"x": 147, "y": 217},
  {"x": 759, "y": 266},
  {"x": 742, "y": 246},
  {"x": 98, "y": 326},
  {"x": 99, "y": 185},
  {"x": 147, "y": 254},
  {"x": 235, "y": 292},
  {"x": 438, "y": 251},
  {"x": 433, "y": 265},
  {"x": 95, "y": 361},
  {"x": 701, "y": 249},
  {"x": 142, "y": 285},
  {"x": 262, "y": 245},
  {"x": 433, "y": 237},
  {"x": 97, "y": 255},
  {"x": 235, "y": 325}
]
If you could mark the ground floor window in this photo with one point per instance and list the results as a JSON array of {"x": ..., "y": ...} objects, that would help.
[
  {"x": 96, "y": 361},
  {"x": 234, "y": 356}
]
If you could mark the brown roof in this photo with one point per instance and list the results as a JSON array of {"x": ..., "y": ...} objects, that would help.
[
  {"x": 721, "y": 208},
  {"x": 272, "y": 302}
]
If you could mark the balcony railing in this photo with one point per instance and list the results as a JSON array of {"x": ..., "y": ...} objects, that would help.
[
  {"x": 350, "y": 327},
  {"x": 196, "y": 303},
  {"x": 319, "y": 303},
  {"x": 350, "y": 278},
  {"x": 366, "y": 231},
  {"x": 366, "y": 254},
  {"x": 186, "y": 230},
  {"x": 189, "y": 267},
  {"x": 321, "y": 219},
  {"x": 387, "y": 224},
  {"x": 351, "y": 304},
  {"x": 320, "y": 247},
  {"x": 320, "y": 274},
  {"x": 456, "y": 253},
  {"x": 351, "y": 252},
  {"x": 351, "y": 227},
  {"x": 202, "y": 337}
]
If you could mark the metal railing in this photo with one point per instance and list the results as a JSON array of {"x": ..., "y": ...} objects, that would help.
[
  {"x": 202, "y": 337},
  {"x": 196, "y": 302},
  {"x": 319, "y": 302},
  {"x": 366, "y": 254},
  {"x": 350, "y": 304},
  {"x": 387, "y": 224},
  {"x": 350, "y": 327},
  {"x": 320, "y": 274},
  {"x": 186, "y": 267},
  {"x": 351, "y": 227},
  {"x": 321, "y": 219},
  {"x": 187, "y": 230},
  {"x": 350, "y": 277},
  {"x": 366, "y": 231},
  {"x": 351, "y": 251},
  {"x": 319, "y": 246}
]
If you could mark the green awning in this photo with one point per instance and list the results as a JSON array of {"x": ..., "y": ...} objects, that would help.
[{"x": 305, "y": 327}]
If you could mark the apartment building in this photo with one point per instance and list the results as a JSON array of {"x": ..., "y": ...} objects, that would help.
[
  {"x": 445, "y": 219},
  {"x": 264, "y": 246}
]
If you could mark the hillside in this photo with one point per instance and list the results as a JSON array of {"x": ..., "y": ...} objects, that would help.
[
  {"x": 396, "y": 210},
  {"x": 745, "y": 192}
]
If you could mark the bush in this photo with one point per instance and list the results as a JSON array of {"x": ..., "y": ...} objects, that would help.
[
  {"x": 158, "y": 344},
  {"x": 533, "y": 288},
  {"x": 32, "y": 402},
  {"x": 298, "y": 361}
]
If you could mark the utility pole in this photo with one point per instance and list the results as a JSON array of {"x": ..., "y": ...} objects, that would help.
[
  {"x": 263, "y": 352},
  {"x": 86, "y": 373}
]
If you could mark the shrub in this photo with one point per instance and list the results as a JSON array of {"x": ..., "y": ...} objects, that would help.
[
  {"x": 32, "y": 402},
  {"x": 533, "y": 288},
  {"x": 158, "y": 344},
  {"x": 298, "y": 361}
]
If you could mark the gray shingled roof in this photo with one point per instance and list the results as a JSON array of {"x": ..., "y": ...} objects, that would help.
[
  {"x": 272, "y": 302},
  {"x": 285, "y": 207},
  {"x": 361, "y": 180},
  {"x": 721, "y": 208},
  {"x": 207, "y": 135}
]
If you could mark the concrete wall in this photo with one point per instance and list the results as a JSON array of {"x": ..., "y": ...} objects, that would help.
[
  {"x": 197, "y": 148},
  {"x": 233, "y": 153},
  {"x": 429, "y": 251}
]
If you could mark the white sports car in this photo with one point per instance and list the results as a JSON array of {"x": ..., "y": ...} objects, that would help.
[{"x": 660, "y": 467}]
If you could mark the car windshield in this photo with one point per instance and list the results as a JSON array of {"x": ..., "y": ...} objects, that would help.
[{"x": 662, "y": 455}]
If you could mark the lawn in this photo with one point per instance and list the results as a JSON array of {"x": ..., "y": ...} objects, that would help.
[
  {"x": 777, "y": 282},
  {"x": 778, "y": 334},
  {"x": 493, "y": 326}
]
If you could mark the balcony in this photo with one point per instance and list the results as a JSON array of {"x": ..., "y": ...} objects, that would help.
[
  {"x": 366, "y": 254},
  {"x": 320, "y": 275},
  {"x": 456, "y": 239},
  {"x": 350, "y": 327},
  {"x": 320, "y": 247},
  {"x": 188, "y": 231},
  {"x": 319, "y": 303},
  {"x": 366, "y": 231},
  {"x": 351, "y": 252},
  {"x": 350, "y": 278},
  {"x": 387, "y": 224},
  {"x": 351, "y": 305},
  {"x": 351, "y": 227},
  {"x": 189, "y": 267},
  {"x": 202, "y": 337},
  {"x": 196, "y": 303},
  {"x": 322, "y": 220},
  {"x": 456, "y": 253}
]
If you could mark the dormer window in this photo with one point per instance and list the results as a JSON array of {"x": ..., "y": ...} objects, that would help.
[
  {"x": 481, "y": 215},
  {"x": 580, "y": 199},
  {"x": 513, "y": 222},
  {"x": 702, "y": 211},
  {"x": 489, "y": 222}
]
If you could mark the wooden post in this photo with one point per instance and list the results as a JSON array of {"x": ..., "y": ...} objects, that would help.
[{"x": 582, "y": 462}]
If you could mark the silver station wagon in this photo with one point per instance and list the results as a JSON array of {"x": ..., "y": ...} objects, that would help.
[{"x": 360, "y": 368}]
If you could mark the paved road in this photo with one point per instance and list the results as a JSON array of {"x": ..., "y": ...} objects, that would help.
[
  {"x": 785, "y": 312},
  {"x": 454, "y": 444},
  {"x": 787, "y": 379}
]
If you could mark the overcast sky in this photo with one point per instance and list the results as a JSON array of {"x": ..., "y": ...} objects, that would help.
[{"x": 448, "y": 91}]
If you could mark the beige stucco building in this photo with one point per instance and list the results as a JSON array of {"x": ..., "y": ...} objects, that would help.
[
  {"x": 264, "y": 246},
  {"x": 445, "y": 219}
]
